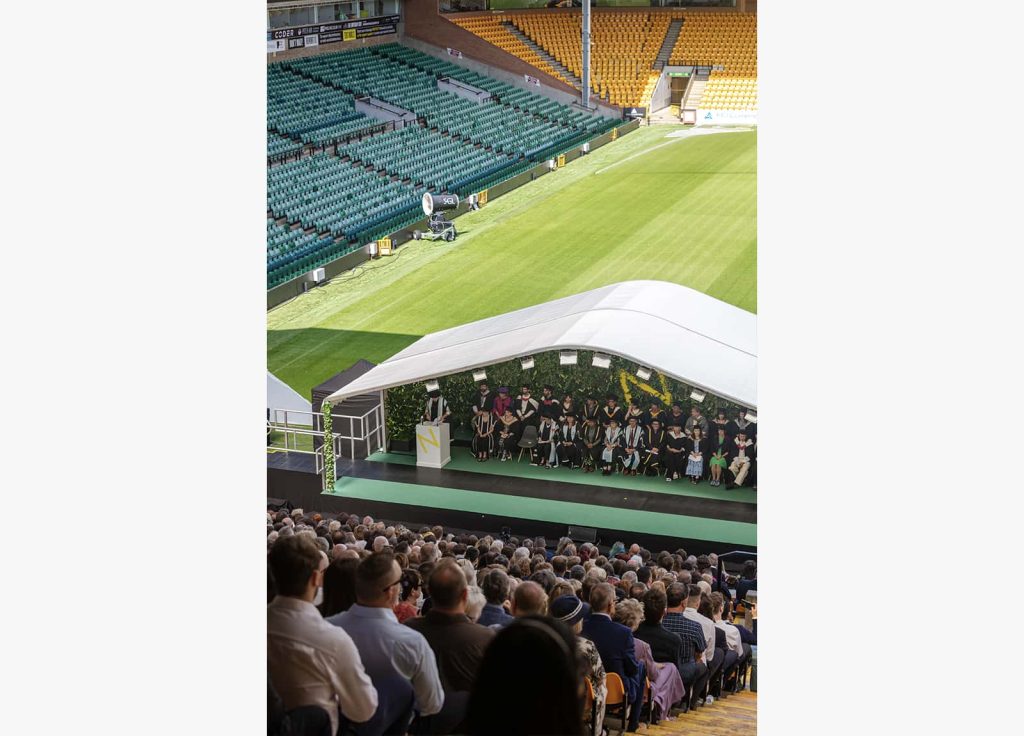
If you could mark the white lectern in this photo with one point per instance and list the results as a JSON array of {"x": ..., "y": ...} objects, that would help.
[{"x": 433, "y": 445}]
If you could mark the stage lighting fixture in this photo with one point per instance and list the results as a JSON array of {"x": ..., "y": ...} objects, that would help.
[
  {"x": 567, "y": 357},
  {"x": 644, "y": 374},
  {"x": 751, "y": 417},
  {"x": 527, "y": 363},
  {"x": 697, "y": 395},
  {"x": 432, "y": 386},
  {"x": 601, "y": 360},
  {"x": 480, "y": 375}
]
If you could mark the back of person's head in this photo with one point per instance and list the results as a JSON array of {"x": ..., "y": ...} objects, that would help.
[
  {"x": 529, "y": 599},
  {"x": 704, "y": 608},
  {"x": 717, "y": 602},
  {"x": 495, "y": 586},
  {"x": 411, "y": 582},
  {"x": 339, "y": 586},
  {"x": 676, "y": 595},
  {"x": 558, "y": 590},
  {"x": 644, "y": 574},
  {"x": 749, "y": 569},
  {"x": 447, "y": 585},
  {"x": 692, "y": 595},
  {"x": 637, "y": 591},
  {"x": 629, "y": 612},
  {"x": 293, "y": 561},
  {"x": 475, "y": 602},
  {"x": 602, "y": 596},
  {"x": 703, "y": 563},
  {"x": 577, "y": 572},
  {"x": 375, "y": 577},
  {"x": 546, "y": 697},
  {"x": 545, "y": 578},
  {"x": 654, "y": 606}
]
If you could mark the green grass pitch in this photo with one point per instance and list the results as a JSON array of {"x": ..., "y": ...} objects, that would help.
[{"x": 643, "y": 207}]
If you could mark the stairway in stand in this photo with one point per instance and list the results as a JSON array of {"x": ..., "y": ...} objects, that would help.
[
  {"x": 733, "y": 716},
  {"x": 695, "y": 93},
  {"x": 671, "y": 36},
  {"x": 568, "y": 76}
]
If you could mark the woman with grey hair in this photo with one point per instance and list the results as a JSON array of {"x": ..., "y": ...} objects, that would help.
[
  {"x": 666, "y": 684},
  {"x": 475, "y": 602}
]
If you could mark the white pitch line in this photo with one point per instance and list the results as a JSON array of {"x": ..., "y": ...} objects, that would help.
[{"x": 680, "y": 135}]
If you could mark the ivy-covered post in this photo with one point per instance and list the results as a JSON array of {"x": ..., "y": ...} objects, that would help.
[{"x": 328, "y": 446}]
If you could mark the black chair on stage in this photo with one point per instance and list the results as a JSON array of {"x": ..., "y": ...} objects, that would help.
[{"x": 528, "y": 441}]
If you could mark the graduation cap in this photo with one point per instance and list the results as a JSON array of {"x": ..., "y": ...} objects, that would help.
[
  {"x": 434, "y": 394},
  {"x": 611, "y": 397}
]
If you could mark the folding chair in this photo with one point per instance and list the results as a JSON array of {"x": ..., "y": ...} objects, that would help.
[
  {"x": 616, "y": 703},
  {"x": 590, "y": 707},
  {"x": 528, "y": 441}
]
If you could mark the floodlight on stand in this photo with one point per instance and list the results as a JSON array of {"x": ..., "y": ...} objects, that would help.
[
  {"x": 567, "y": 357},
  {"x": 432, "y": 386},
  {"x": 751, "y": 417},
  {"x": 601, "y": 360},
  {"x": 527, "y": 363},
  {"x": 480, "y": 375},
  {"x": 698, "y": 396},
  {"x": 644, "y": 374}
]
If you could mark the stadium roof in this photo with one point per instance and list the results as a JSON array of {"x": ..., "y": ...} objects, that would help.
[{"x": 672, "y": 329}]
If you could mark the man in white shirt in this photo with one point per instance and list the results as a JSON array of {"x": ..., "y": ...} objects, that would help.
[
  {"x": 712, "y": 657},
  {"x": 311, "y": 662},
  {"x": 398, "y": 660},
  {"x": 732, "y": 664}
]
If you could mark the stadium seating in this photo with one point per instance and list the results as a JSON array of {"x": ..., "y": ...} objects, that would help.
[
  {"x": 728, "y": 40},
  {"x": 299, "y": 107},
  {"x": 492, "y": 29},
  {"x": 279, "y": 144}
]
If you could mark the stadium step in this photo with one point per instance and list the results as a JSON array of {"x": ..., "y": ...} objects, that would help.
[
  {"x": 543, "y": 53},
  {"x": 671, "y": 36},
  {"x": 695, "y": 93}
]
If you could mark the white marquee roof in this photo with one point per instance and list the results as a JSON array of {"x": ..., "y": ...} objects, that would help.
[{"x": 673, "y": 329}]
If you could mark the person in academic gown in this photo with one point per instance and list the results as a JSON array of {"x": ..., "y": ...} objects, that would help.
[
  {"x": 743, "y": 454},
  {"x": 674, "y": 415},
  {"x": 654, "y": 448},
  {"x": 632, "y": 446},
  {"x": 591, "y": 444},
  {"x": 437, "y": 409},
  {"x": 569, "y": 442},
  {"x": 719, "y": 422},
  {"x": 612, "y": 446},
  {"x": 501, "y": 402},
  {"x": 655, "y": 412},
  {"x": 483, "y": 435},
  {"x": 634, "y": 410},
  {"x": 545, "y": 454},
  {"x": 720, "y": 451},
  {"x": 696, "y": 450},
  {"x": 507, "y": 433},
  {"x": 739, "y": 424},
  {"x": 568, "y": 407},
  {"x": 484, "y": 399},
  {"x": 611, "y": 411},
  {"x": 550, "y": 406},
  {"x": 696, "y": 420},
  {"x": 590, "y": 411},
  {"x": 525, "y": 408},
  {"x": 675, "y": 450}
]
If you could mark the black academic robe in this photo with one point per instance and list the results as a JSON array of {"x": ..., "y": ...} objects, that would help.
[
  {"x": 552, "y": 409},
  {"x": 436, "y": 408},
  {"x": 607, "y": 415},
  {"x": 639, "y": 419},
  {"x": 512, "y": 429},
  {"x": 564, "y": 411},
  {"x": 569, "y": 454},
  {"x": 590, "y": 413},
  {"x": 652, "y": 461},
  {"x": 675, "y": 462},
  {"x": 650, "y": 416},
  {"x": 483, "y": 403},
  {"x": 526, "y": 410},
  {"x": 483, "y": 424},
  {"x": 701, "y": 446},
  {"x": 547, "y": 435},
  {"x": 670, "y": 419},
  {"x": 591, "y": 434},
  {"x": 736, "y": 426}
]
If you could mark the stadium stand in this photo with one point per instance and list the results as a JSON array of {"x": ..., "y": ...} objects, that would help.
[
  {"x": 728, "y": 40},
  {"x": 507, "y": 578},
  {"x": 360, "y": 190},
  {"x": 494, "y": 30}
]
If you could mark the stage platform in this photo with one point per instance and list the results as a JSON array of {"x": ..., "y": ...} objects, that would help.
[{"x": 485, "y": 497}]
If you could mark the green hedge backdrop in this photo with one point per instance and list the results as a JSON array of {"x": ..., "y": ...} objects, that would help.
[{"x": 404, "y": 405}]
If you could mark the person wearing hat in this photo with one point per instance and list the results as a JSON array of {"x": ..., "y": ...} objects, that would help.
[
  {"x": 612, "y": 448},
  {"x": 590, "y": 411},
  {"x": 571, "y": 611},
  {"x": 632, "y": 445},
  {"x": 525, "y": 408},
  {"x": 437, "y": 410},
  {"x": 507, "y": 429},
  {"x": 654, "y": 448},
  {"x": 549, "y": 405},
  {"x": 675, "y": 451},
  {"x": 655, "y": 412},
  {"x": 590, "y": 444},
  {"x": 569, "y": 442},
  {"x": 611, "y": 411},
  {"x": 743, "y": 450},
  {"x": 719, "y": 449},
  {"x": 501, "y": 402}
]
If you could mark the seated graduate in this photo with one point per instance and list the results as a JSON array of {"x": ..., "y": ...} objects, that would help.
[
  {"x": 634, "y": 410},
  {"x": 720, "y": 450},
  {"x": 591, "y": 444},
  {"x": 525, "y": 408},
  {"x": 719, "y": 422},
  {"x": 611, "y": 411},
  {"x": 436, "y": 410},
  {"x": 654, "y": 448},
  {"x": 675, "y": 414},
  {"x": 632, "y": 445},
  {"x": 549, "y": 406},
  {"x": 483, "y": 434},
  {"x": 590, "y": 411},
  {"x": 611, "y": 446},
  {"x": 507, "y": 431},
  {"x": 696, "y": 449},
  {"x": 655, "y": 412},
  {"x": 743, "y": 453},
  {"x": 675, "y": 450},
  {"x": 545, "y": 454},
  {"x": 568, "y": 407},
  {"x": 501, "y": 402},
  {"x": 569, "y": 441}
]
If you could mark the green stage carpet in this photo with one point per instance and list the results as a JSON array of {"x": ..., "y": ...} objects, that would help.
[
  {"x": 462, "y": 459},
  {"x": 562, "y": 512}
]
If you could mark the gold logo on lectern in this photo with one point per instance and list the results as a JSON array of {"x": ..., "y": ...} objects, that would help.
[{"x": 424, "y": 440}]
